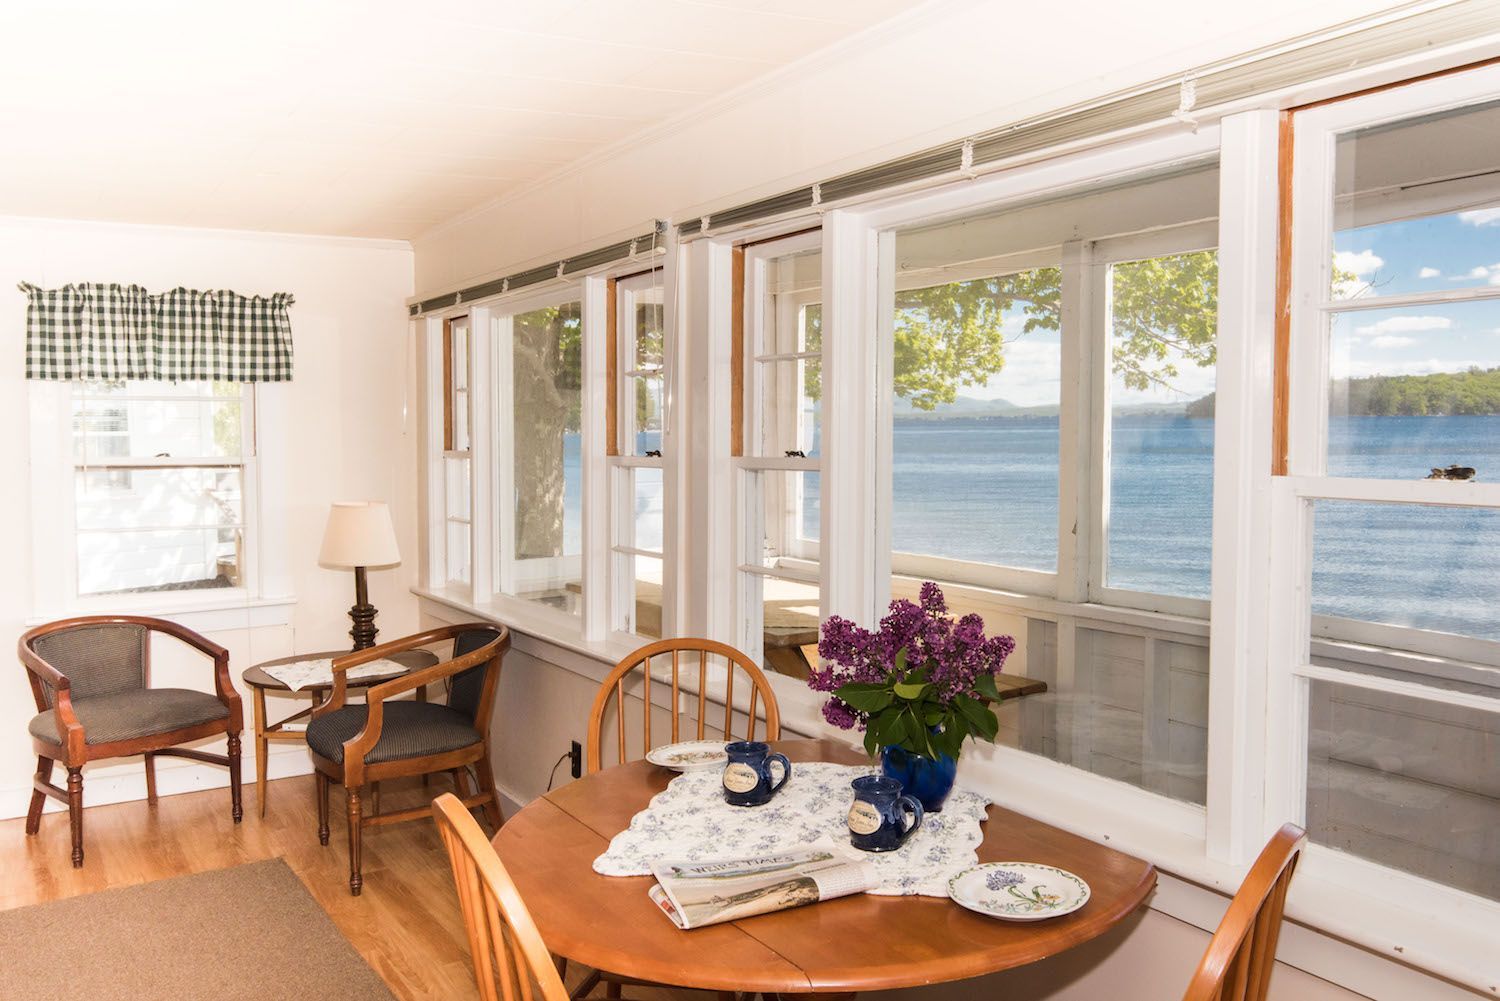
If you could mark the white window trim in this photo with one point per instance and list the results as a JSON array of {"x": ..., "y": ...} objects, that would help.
[{"x": 266, "y": 596}]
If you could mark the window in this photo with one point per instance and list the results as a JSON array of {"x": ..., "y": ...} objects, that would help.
[
  {"x": 637, "y": 364},
  {"x": 1388, "y": 586},
  {"x": 159, "y": 485},
  {"x": 1052, "y": 378},
  {"x": 540, "y": 455},
  {"x": 457, "y": 462},
  {"x": 778, "y": 444}
]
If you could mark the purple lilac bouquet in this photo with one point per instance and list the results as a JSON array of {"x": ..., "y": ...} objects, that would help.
[{"x": 922, "y": 681}]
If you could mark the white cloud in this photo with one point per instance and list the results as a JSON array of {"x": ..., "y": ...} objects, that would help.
[
  {"x": 1428, "y": 273},
  {"x": 1359, "y": 262},
  {"x": 1387, "y": 342},
  {"x": 1481, "y": 217},
  {"x": 1403, "y": 325},
  {"x": 1478, "y": 272}
]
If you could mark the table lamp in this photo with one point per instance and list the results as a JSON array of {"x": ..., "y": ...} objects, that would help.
[{"x": 360, "y": 535}]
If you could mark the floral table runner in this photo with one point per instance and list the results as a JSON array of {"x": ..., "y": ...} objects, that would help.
[
  {"x": 300, "y": 674},
  {"x": 690, "y": 820}
]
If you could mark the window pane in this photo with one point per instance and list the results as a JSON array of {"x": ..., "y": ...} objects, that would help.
[
  {"x": 789, "y": 507},
  {"x": 458, "y": 552},
  {"x": 789, "y": 626},
  {"x": 109, "y": 500},
  {"x": 457, "y": 488},
  {"x": 643, "y": 395},
  {"x": 977, "y": 373},
  {"x": 1410, "y": 565},
  {"x": 648, "y": 504},
  {"x": 638, "y": 595},
  {"x": 1417, "y": 205},
  {"x": 138, "y": 419},
  {"x": 547, "y": 380},
  {"x": 460, "y": 388},
  {"x": 647, "y": 328},
  {"x": 791, "y": 412},
  {"x": 1414, "y": 390},
  {"x": 1163, "y": 315},
  {"x": 1394, "y": 779},
  {"x": 177, "y": 559}
]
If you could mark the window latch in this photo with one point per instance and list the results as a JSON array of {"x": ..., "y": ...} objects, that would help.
[
  {"x": 653, "y": 453},
  {"x": 795, "y": 453}
]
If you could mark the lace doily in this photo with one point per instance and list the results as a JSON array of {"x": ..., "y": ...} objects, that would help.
[{"x": 690, "y": 820}]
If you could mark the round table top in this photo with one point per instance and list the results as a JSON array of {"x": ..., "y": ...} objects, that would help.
[
  {"x": 410, "y": 660},
  {"x": 862, "y": 942}
]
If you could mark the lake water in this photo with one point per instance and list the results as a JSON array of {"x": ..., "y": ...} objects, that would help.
[{"x": 985, "y": 489}]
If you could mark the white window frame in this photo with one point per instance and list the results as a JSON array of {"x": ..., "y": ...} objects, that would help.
[
  {"x": 620, "y": 470},
  {"x": 1435, "y": 919},
  {"x": 264, "y": 597}
]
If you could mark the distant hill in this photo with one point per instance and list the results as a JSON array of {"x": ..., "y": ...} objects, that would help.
[
  {"x": 1441, "y": 394},
  {"x": 967, "y": 407}
]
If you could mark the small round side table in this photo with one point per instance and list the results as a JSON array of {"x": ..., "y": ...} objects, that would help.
[{"x": 259, "y": 683}]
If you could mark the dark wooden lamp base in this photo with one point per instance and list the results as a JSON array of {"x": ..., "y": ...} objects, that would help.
[{"x": 363, "y": 613}]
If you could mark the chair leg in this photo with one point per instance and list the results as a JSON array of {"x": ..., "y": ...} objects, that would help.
[
  {"x": 487, "y": 786},
  {"x": 356, "y": 874},
  {"x": 34, "y": 811},
  {"x": 150, "y": 778},
  {"x": 322, "y": 807},
  {"x": 75, "y": 813},
  {"x": 236, "y": 805}
]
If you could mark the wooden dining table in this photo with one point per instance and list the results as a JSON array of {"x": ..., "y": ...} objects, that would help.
[{"x": 843, "y": 946}]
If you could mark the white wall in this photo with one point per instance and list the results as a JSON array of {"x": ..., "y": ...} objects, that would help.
[
  {"x": 342, "y": 437},
  {"x": 954, "y": 69}
]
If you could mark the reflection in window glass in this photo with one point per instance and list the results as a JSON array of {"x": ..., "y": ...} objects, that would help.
[
  {"x": 782, "y": 568},
  {"x": 1163, "y": 316},
  {"x": 547, "y": 380},
  {"x": 977, "y": 372},
  {"x": 1393, "y": 779},
  {"x": 1417, "y": 205},
  {"x": 1413, "y": 565},
  {"x": 788, "y": 364},
  {"x": 639, "y": 594}
]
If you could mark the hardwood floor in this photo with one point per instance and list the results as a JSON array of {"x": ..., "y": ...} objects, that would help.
[{"x": 406, "y": 924}]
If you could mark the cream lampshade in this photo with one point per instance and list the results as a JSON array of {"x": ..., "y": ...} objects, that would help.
[{"x": 359, "y": 534}]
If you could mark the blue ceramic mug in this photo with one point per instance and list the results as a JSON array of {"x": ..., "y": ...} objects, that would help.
[
  {"x": 878, "y": 816},
  {"x": 747, "y": 776}
]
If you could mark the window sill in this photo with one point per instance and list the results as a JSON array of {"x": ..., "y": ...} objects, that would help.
[{"x": 223, "y": 610}]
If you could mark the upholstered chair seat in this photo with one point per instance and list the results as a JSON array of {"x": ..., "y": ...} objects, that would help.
[
  {"x": 412, "y": 730},
  {"x": 129, "y": 715}
]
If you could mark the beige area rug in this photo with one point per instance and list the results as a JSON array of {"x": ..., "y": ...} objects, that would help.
[{"x": 252, "y": 931}]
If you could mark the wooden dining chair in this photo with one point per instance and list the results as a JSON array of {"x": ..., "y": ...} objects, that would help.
[
  {"x": 1237, "y": 965},
  {"x": 679, "y": 655},
  {"x": 91, "y": 679},
  {"x": 504, "y": 944},
  {"x": 355, "y": 745}
]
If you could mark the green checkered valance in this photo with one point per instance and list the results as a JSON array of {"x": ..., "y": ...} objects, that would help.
[{"x": 97, "y": 331}]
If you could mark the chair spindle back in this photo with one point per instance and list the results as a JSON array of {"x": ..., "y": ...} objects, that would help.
[
  {"x": 511, "y": 963},
  {"x": 1240, "y": 957},
  {"x": 692, "y": 656}
]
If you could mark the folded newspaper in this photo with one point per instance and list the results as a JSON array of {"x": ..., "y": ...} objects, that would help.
[
  {"x": 697, "y": 893},
  {"x": 318, "y": 673}
]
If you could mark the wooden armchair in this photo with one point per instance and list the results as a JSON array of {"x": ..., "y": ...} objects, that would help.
[
  {"x": 91, "y": 679},
  {"x": 385, "y": 738},
  {"x": 1238, "y": 962}
]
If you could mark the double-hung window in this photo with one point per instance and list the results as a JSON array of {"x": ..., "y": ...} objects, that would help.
[
  {"x": 637, "y": 408},
  {"x": 161, "y": 486},
  {"x": 1387, "y": 577},
  {"x": 777, "y": 444}
]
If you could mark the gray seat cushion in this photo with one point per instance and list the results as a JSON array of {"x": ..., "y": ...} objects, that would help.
[
  {"x": 138, "y": 713},
  {"x": 409, "y": 730}
]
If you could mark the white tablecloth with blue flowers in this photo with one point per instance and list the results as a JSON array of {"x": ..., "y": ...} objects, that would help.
[{"x": 690, "y": 820}]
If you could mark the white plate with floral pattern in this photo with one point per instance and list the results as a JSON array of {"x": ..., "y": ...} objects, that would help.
[
  {"x": 1019, "y": 891},
  {"x": 689, "y": 755}
]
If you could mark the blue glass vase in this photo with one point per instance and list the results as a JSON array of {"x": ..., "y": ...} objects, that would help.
[{"x": 925, "y": 778}]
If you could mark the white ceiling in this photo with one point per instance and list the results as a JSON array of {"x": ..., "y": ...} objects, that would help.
[{"x": 373, "y": 118}]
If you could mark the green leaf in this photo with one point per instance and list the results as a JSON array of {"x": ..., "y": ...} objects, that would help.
[
  {"x": 865, "y": 698},
  {"x": 981, "y": 721},
  {"x": 911, "y": 691},
  {"x": 901, "y": 661},
  {"x": 985, "y": 685}
]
